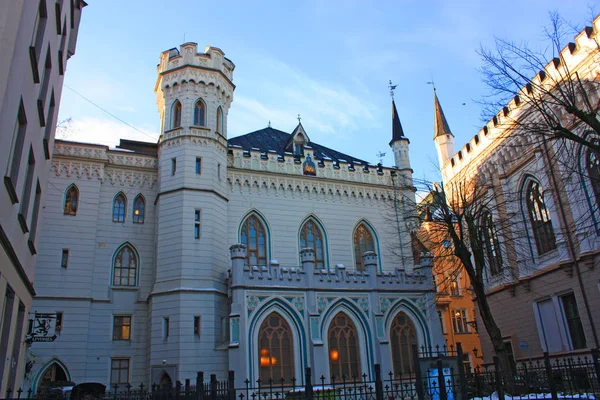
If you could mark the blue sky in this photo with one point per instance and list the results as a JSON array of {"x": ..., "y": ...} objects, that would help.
[{"x": 329, "y": 61}]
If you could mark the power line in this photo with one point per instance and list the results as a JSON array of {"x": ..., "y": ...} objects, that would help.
[{"x": 106, "y": 111}]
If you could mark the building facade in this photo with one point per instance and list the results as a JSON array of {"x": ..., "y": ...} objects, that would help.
[
  {"x": 542, "y": 279},
  {"x": 36, "y": 40},
  {"x": 263, "y": 253}
]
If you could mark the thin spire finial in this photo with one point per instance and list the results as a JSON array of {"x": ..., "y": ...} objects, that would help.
[
  {"x": 299, "y": 118},
  {"x": 269, "y": 123},
  {"x": 431, "y": 82},
  {"x": 380, "y": 155},
  {"x": 392, "y": 88}
]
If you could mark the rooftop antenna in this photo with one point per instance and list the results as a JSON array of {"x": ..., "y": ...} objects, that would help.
[
  {"x": 380, "y": 155},
  {"x": 392, "y": 88}
]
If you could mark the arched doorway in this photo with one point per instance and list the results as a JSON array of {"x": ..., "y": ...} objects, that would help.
[
  {"x": 165, "y": 381},
  {"x": 403, "y": 337},
  {"x": 53, "y": 374}
]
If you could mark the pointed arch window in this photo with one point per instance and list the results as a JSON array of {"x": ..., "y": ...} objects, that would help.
[
  {"x": 119, "y": 206},
  {"x": 491, "y": 243},
  {"x": 220, "y": 123},
  {"x": 139, "y": 209},
  {"x": 253, "y": 236},
  {"x": 539, "y": 217},
  {"x": 593, "y": 169},
  {"x": 125, "y": 266},
  {"x": 276, "y": 350},
  {"x": 176, "y": 115},
  {"x": 200, "y": 113},
  {"x": 312, "y": 237},
  {"x": 344, "y": 348},
  {"x": 363, "y": 242},
  {"x": 71, "y": 200},
  {"x": 403, "y": 336}
]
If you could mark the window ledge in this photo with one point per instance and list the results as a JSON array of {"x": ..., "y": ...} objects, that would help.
[
  {"x": 124, "y": 288},
  {"x": 10, "y": 188}
]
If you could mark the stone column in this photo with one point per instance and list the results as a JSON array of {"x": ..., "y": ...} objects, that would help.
[
  {"x": 370, "y": 263},
  {"x": 307, "y": 258},
  {"x": 238, "y": 263}
]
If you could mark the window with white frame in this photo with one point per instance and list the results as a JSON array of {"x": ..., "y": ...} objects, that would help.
[
  {"x": 559, "y": 323},
  {"x": 459, "y": 321}
]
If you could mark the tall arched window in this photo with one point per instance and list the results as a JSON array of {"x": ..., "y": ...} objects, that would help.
[
  {"x": 593, "y": 169},
  {"x": 539, "y": 217},
  {"x": 199, "y": 113},
  {"x": 220, "y": 123},
  {"x": 344, "y": 348},
  {"x": 176, "y": 115},
  {"x": 276, "y": 350},
  {"x": 403, "y": 337},
  {"x": 71, "y": 200},
  {"x": 139, "y": 209},
  {"x": 119, "y": 205},
  {"x": 491, "y": 243},
  {"x": 312, "y": 237},
  {"x": 363, "y": 242},
  {"x": 125, "y": 265},
  {"x": 254, "y": 237}
]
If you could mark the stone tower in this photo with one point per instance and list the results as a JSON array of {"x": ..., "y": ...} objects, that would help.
[
  {"x": 399, "y": 142},
  {"x": 188, "y": 306},
  {"x": 442, "y": 136}
]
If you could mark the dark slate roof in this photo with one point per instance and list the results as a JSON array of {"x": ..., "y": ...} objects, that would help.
[
  {"x": 397, "y": 131},
  {"x": 441, "y": 126},
  {"x": 273, "y": 139}
]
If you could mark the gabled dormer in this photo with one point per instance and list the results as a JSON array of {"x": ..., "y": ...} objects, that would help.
[{"x": 298, "y": 140}]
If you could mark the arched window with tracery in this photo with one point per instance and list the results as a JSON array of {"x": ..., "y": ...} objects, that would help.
[
  {"x": 119, "y": 206},
  {"x": 593, "y": 168},
  {"x": 276, "y": 350},
  {"x": 344, "y": 348},
  {"x": 220, "y": 122},
  {"x": 539, "y": 217},
  {"x": 253, "y": 235},
  {"x": 491, "y": 243},
  {"x": 125, "y": 267},
  {"x": 363, "y": 242},
  {"x": 199, "y": 113},
  {"x": 71, "y": 200},
  {"x": 403, "y": 337},
  {"x": 312, "y": 237},
  {"x": 139, "y": 209},
  {"x": 176, "y": 115}
]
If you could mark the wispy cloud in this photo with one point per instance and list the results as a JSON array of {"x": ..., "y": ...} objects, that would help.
[{"x": 103, "y": 131}]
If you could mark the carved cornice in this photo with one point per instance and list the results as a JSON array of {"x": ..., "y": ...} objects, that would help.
[{"x": 115, "y": 176}]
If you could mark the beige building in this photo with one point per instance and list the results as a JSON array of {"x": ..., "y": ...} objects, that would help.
[
  {"x": 543, "y": 278},
  {"x": 36, "y": 40}
]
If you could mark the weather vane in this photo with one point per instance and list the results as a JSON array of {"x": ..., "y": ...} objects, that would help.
[
  {"x": 431, "y": 82},
  {"x": 380, "y": 155},
  {"x": 392, "y": 88}
]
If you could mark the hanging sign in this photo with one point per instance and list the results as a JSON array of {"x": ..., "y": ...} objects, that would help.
[{"x": 42, "y": 328}]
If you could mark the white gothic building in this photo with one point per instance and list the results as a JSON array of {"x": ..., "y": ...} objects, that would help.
[{"x": 264, "y": 253}]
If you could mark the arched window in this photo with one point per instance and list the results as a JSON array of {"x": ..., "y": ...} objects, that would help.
[
  {"x": 539, "y": 217},
  {"x": 403, "y": 337},
  {"x": 254, "y": 237},
  {"x": 363, "y": 242},
  {"x": 344, "y": 349},
  {"x": 491, "y": 243},
  {"x": 220, "y": 126},
  {"x": 71, "y": 200},
  {"x": 119, "y": 205},
  {"x": 199, "y": 113},
  {"x": 139, "y": 209},
  {"x": 311, "y": 237},
  {"x": 53, "y": 373},
  {"x": 125, "y": 265},
  {"x": 176, "y": 115},
  {"x": 276, "y": 350},
  {"x": 593, "y": 168}
]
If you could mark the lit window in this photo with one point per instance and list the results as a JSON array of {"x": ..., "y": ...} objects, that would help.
[
  {"x": 454, "y": 287},
  {"x": 363, "y": 242},
  {"x": 344, "y": 349},
  {"x": 119, "y": 205},
  {"x": 125, "y": 267},
  {"x": 139, "y": 209},
  {"x": 459, "y": 321},
  {"x": 119, "y": 371},
  {"x": 276, "y": 352},
  {"x": 539, "y": 217},
  {"x": 71, "y": 200},
  {"x": 122, "y": 327},
  {"x": 59, "y": 322},
  {"x": 403, "y": 337}
]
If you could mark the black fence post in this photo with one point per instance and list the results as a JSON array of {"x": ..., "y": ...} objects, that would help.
[
  {"x": 441, "y": 379},
  {"x": 213, "y": 387},
  {"x": 308, "y": 384},
  {"x": 378, "y": 383},
  {"x": 462, "y": 375},
  {"x": 177, "y": 389},
  {"x": 596, "y": 362},
  {"x": 187, "y": 388},
  {"x": 231, "y": 385},
  {"x": 549, "y": 376},
  {"x": 498, "y": 378},
  {"x": 418, "y": 377},
  {"x": 200, "y": 385}
]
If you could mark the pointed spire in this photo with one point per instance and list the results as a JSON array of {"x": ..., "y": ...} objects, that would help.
[
  {"x": 440, "y": 127},
  {"x": 397, "y": 131}
]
